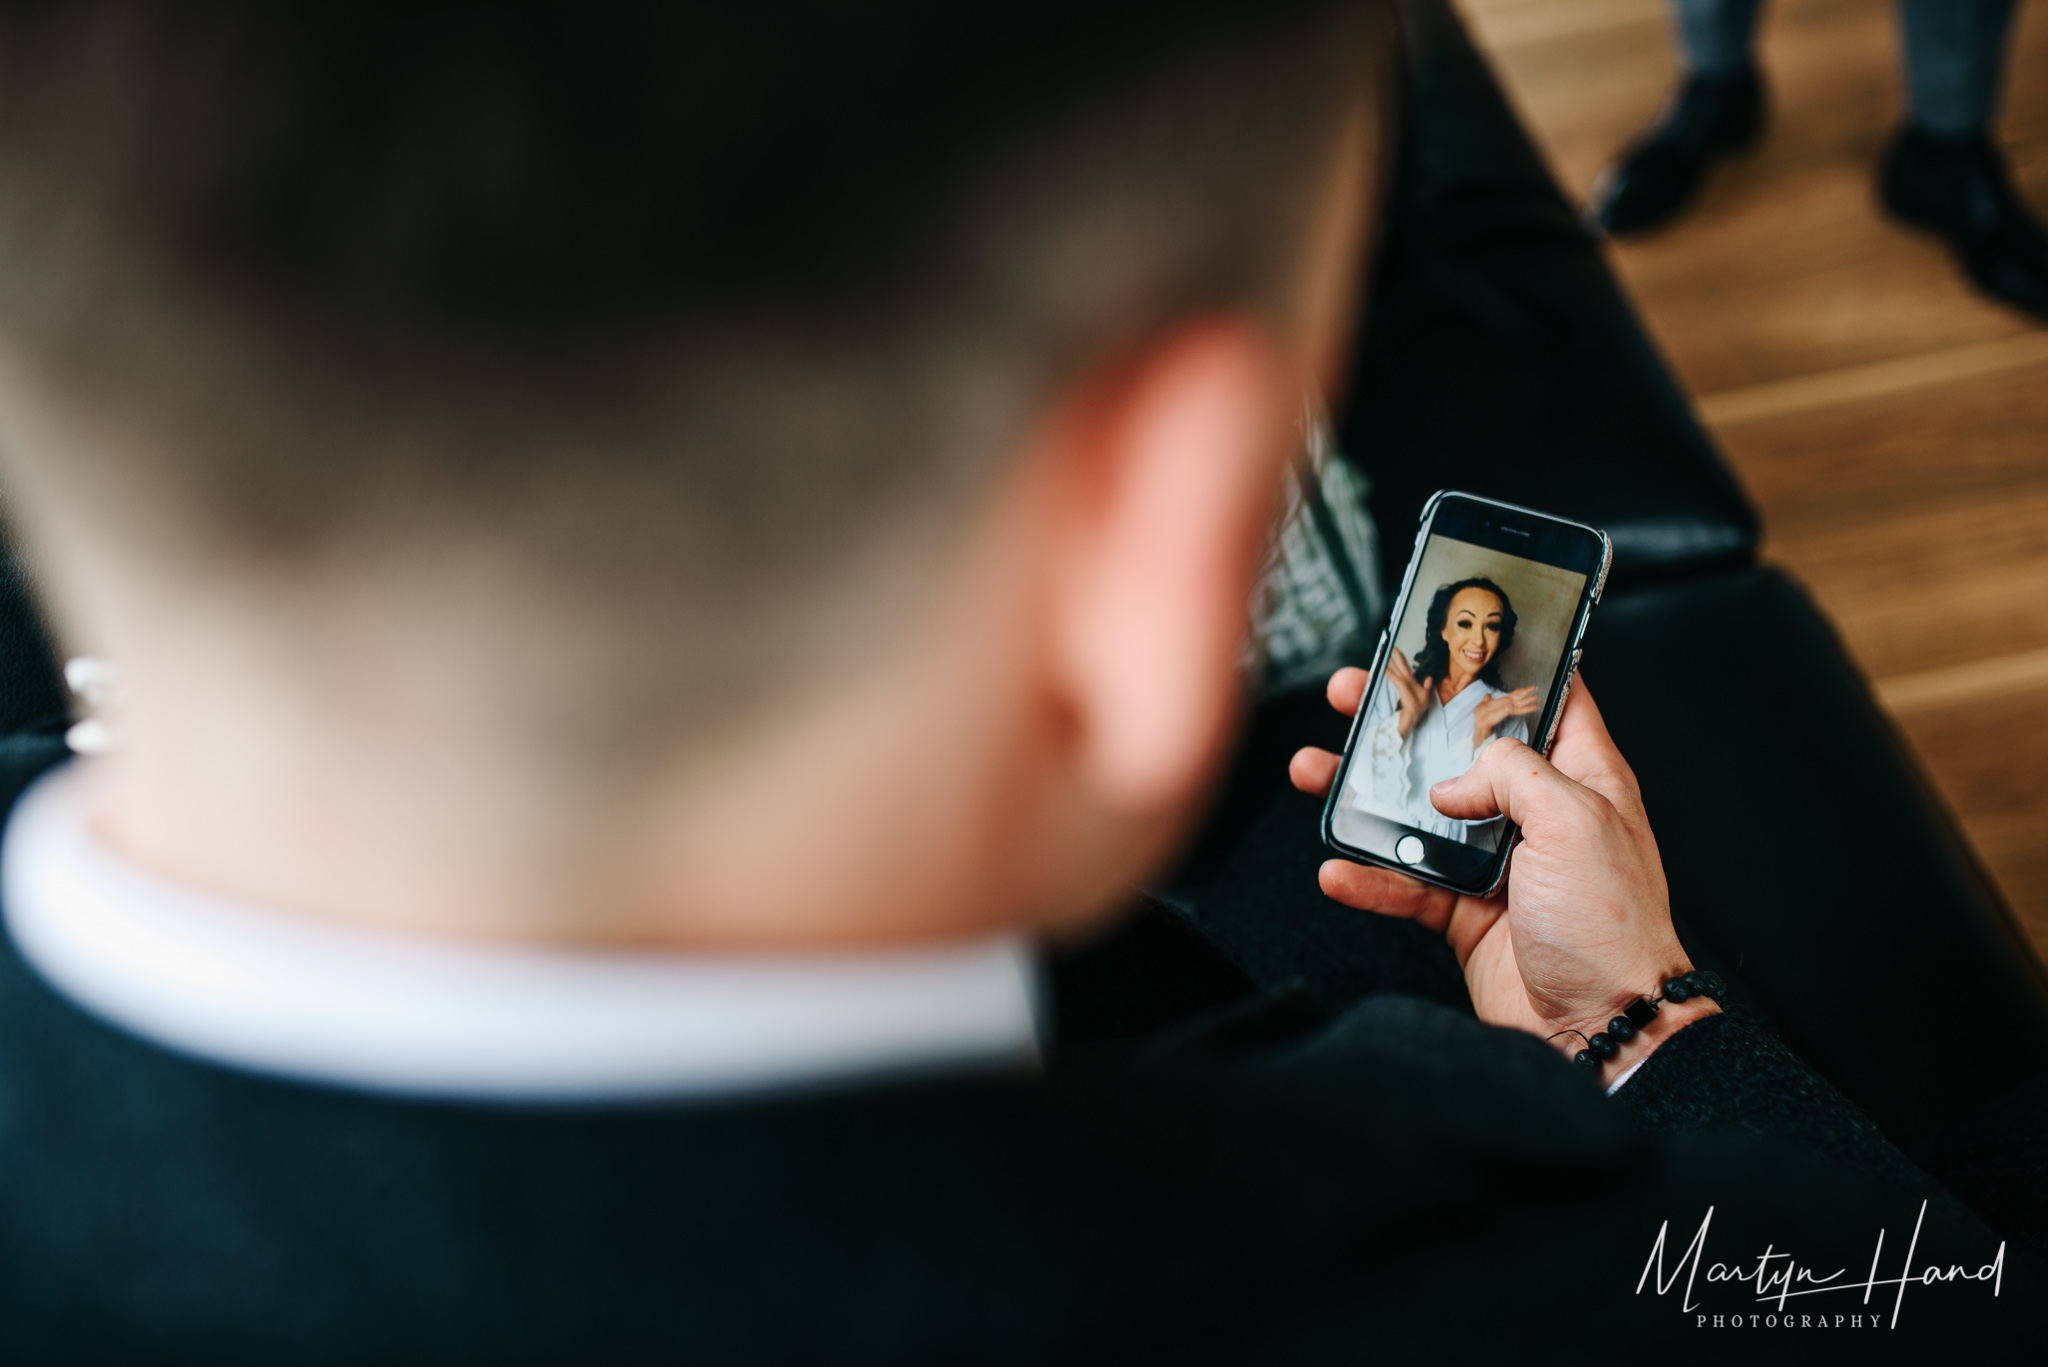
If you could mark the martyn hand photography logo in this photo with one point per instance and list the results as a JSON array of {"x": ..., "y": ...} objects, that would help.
[{"x": 1775, "y": 1279}]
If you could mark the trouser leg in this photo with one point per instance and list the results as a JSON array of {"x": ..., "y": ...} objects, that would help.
[
  {"x": 1716, "y": 37},
  {"x": 1955, "y": 55}
]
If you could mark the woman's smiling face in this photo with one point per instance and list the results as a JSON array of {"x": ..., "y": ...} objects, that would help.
[{"x": 1472, "y": 630}]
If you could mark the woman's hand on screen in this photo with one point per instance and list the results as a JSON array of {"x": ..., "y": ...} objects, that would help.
[
  {"x": 1494, "y": 711},
  {"x": 1412, "y": 694},
  {"x": 1584, "y": 926}
]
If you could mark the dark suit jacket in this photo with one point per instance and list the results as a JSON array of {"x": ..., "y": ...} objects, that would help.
[{"x": 1207, "y": 1171}]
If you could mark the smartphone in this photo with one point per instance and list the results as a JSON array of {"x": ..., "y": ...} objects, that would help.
[{"x": 1481, "y": 643}]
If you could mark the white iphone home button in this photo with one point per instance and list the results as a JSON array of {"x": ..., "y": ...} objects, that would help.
[{"x": 1409, "y": 849}]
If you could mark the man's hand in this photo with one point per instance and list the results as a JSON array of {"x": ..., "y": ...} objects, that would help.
[{"x": 1585, "y": 925}]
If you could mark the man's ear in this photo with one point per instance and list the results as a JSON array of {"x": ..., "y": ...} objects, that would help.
[{"x": 1171, "y": 464}]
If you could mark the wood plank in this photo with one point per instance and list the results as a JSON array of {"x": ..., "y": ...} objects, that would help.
[
  {"x": 1973, "y": 682},
  {"x": 1959, "y": 579},
  {"x": 1893, "y": 454},
  {"x": 1968, "y": 751},
  {"x": 1507, "y": 24},
  {"x": 1875, "y": 379}
]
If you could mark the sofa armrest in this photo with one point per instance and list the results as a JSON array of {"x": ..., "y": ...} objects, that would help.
[{"x": 1810, "y": 861}]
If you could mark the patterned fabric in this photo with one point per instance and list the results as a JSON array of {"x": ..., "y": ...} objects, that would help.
[{"x": 1319, "y": 602}]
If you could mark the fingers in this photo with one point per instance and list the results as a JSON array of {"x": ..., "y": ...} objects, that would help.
[
  {"x": 1313, "y": 771},
  {"x": 1508, "y": 779},
  {"x": 1386, "y": 892},
  {"x": 1347, "y": 688}
]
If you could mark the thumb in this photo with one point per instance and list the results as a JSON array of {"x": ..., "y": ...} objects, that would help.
[{"x": 1507, "y": 779}]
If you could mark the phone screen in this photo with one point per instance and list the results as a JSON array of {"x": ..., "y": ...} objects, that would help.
[{"x": 1481, "y": 645}]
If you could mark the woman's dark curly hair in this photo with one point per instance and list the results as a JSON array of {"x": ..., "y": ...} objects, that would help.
[{"x": 1433, "y": 661}]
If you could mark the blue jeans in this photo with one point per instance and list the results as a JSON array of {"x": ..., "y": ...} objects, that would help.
[{"x": 1955, "y": 54}]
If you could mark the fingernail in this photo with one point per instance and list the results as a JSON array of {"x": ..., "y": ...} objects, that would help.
[{"x": 1443, "y": 787}]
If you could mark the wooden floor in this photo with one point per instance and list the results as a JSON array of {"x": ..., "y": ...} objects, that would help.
[{"x": 1892, "y": 426}]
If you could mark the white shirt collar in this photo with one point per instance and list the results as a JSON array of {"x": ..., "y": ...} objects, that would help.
[{"x": 238, "y": 986}]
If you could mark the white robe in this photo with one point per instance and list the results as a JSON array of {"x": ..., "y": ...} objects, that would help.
[{"x": 1391, "y": 776}]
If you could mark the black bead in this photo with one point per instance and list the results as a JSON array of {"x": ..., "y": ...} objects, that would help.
[
  {"x": 1602, "y": 1048},
  {"x": 1696, "y": 983},
  {"x": 1676, "y": 990},
  {"x": 1622, "y": 1029},
  {"x": 1585, "y": 1059},
  {"x": 1712, "y": 985}
]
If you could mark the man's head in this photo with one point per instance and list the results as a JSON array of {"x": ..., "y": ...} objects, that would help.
[{"x": 550, "y": 414}]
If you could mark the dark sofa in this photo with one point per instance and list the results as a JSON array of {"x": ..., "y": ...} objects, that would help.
[{"x": 1810, "y": 863}]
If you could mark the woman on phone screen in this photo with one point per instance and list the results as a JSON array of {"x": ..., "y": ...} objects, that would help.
[{"x": 1433, "y": 716}]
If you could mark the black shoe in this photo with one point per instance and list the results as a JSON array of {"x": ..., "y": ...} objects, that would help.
[
  {"x": 1959, "y": 188},
  {"x": 1705, "y": 118}
]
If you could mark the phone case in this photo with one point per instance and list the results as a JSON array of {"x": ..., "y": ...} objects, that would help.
[{"x": 1562, "y": 689}]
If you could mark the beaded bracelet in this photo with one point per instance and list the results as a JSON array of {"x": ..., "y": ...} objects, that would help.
[{"x": 1623, "y": 1028}]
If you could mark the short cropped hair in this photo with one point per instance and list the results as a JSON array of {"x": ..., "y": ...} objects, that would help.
[{"x": 685, "y": 317}]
